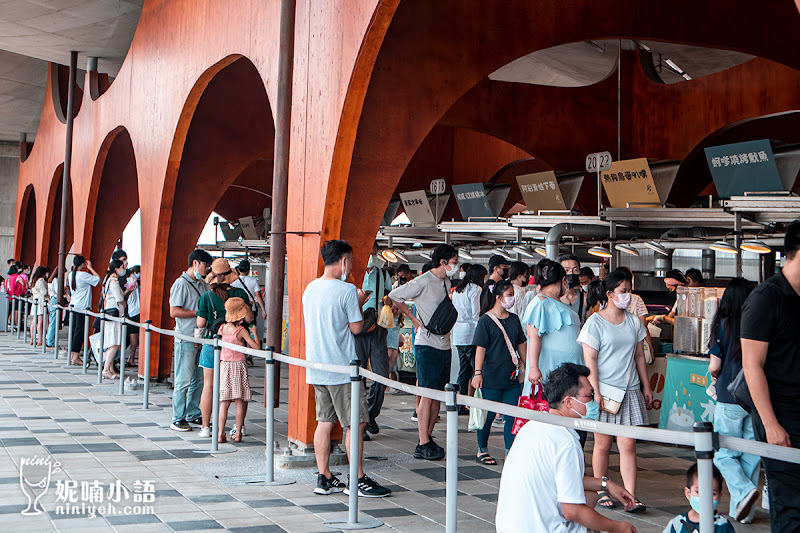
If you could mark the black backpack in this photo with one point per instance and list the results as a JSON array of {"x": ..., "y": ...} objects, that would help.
[{"x": 444, "y": 317}]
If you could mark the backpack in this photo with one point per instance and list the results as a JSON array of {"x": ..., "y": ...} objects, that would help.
[{"x": 444, "y": 317}]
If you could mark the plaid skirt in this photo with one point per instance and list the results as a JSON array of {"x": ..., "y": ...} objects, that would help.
[
  {"x": 233, "y": 381},
  {"x": 632, "y": 412}
]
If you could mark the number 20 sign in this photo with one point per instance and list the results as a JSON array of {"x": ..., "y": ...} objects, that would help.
[{"x": 598, "y": 162}]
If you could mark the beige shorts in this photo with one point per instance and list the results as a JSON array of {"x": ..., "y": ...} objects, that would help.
[{"x": 333, "y": 403}]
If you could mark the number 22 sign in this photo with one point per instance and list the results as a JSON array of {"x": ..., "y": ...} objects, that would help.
[{"x": 598, "y": 162}]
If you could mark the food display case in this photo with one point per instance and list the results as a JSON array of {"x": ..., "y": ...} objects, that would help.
[{"x": 693, "y": 317}]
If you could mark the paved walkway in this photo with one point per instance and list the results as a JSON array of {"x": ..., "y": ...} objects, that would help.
[{"x": 109, "y": 449}]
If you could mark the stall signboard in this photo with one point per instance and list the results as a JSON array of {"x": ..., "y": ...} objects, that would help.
[
  {"x": 541, "y": 191},
  {"x": 743, "y": 167},
  {"x": 418, "y": 208},
  {"x": 630, "y": 182},
  {"x": 685, "y": 400},
  {"x": 472, "y": 201},
  {"x": 657, "y": 372}
]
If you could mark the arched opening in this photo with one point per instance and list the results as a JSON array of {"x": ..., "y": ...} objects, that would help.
[
  {"x": 52, "y": 229},
  {"x": 25, "y": 250},
  {"x": 229, "y": 141}
]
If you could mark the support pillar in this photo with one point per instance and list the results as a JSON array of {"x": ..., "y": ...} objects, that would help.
[{"x": 62, "y": 237}]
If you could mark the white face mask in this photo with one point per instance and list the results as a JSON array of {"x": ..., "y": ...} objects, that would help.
[
  {"x": 622, "y": 301},
  {"x": 462, "y": 275},
  {"x": 508, "y": 302},
  {"x": 452, "y": 270}
]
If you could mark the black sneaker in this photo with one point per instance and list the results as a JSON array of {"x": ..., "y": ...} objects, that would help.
[
  {"x": 327, "y": 486},
  {"x": 428, "y": 451},
  {"x": 369, "y": 488},
  {"x": 372, "y": 427},
  {"x": 180, "y": 425},
  {"x": 197, "y": 421},
  {"x": 433, "y": 443}
]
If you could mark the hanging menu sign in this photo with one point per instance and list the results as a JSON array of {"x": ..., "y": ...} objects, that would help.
[
  {"x": 541, "y": 191},
  {"x": 418, "y": 208},
  {"x": 472, "y": 201},
  {"x": 630, "y": 182},
  {"x": 743, "y": 167}
]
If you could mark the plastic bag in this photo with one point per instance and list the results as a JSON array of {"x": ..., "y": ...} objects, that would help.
[
  {"x": 536, "y": 403},
  {"x": 386, "y": 318},
  {"x": 477, "y": 417}
]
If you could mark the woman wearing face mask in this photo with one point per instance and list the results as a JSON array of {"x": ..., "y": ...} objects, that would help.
[
  {"x": 612, "y": 347},
  {"x": 467, "y": 301},
  {"x": 552, "y": 326},
  {"x": 518, "y": 275},
  {"x": 114, "y": 305},
  {"x": 499, "y": 358}
]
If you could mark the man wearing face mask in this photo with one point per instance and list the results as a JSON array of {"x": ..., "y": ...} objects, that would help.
[
  {"x": 498, "y": 270},
  {"x": 543, "y": 476},
  {"x": 404, "y": 275},
  {"x": 573, "y": 298},
  {"x": 371, "y": 347}
]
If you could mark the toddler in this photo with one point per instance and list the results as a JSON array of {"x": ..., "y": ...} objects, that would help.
[{"x": 690, "y": 521}]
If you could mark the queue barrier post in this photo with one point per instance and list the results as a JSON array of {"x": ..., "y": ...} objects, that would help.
[
  {"x": 451, "y": 467},
  {"x": 354, "y": 434},
  {"x": 43, "y": 328},
  {"x": 215, "y": 429},
  {"x": 13, "y": 316},
  {"x": 55, "y": 339},
  {"x": 25, "y": 314},
  {"x": 35, "y": 321},
  {"x": 122, "y": 349},
  {"x": 19, "y": 317},
  {"x": 146, "y": 392},
  {"x": 71, "y": 317},
  {"x": 87, "y": 352},
  {"x": 101, "y": 357},
  {"x": 704, "y": 452}
]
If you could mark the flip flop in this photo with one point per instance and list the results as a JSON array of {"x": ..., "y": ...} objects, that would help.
[
  {"x": 222, "y": 439},
  {"x": 605, "y": 500},
  {"x": 486, "y": 459},
  {"x": 638, "y": 507}
]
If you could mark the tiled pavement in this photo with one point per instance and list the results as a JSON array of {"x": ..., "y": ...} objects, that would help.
[{"x": 48, "y": 408}]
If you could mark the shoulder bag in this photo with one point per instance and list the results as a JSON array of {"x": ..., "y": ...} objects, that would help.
[
  {"x": 370, "y": 316},
  {"x": 444, "y": 317},
  {"x": 520, "y": 373},
  {"x": 738, "y": 389},
  {"x": 613, "y": 396}
]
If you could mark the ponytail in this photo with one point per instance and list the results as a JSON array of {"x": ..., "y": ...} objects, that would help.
[
  {"x": 597, "y": 290},
  {"x": 77, "y": 261},
  {"x": 491, "y": 297}
]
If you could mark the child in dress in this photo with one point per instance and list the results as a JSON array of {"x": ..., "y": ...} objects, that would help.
[{"x": 234, "y": 384}]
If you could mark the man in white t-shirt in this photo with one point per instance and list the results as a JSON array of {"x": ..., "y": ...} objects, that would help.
[
  {"x": 332, "y": 315},
  {"x": 543, "y": 486},
  {"x": 249, "y": 284}
]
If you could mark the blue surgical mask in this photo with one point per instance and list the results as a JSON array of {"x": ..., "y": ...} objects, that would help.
[
  {"x": 197, "y": 276},
  {"x": 592, "y": 409},
  {"x": 694, "y": 501}
]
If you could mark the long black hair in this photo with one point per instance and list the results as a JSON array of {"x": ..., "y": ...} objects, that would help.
[
  {"x": 475, "y": 274},
  {"x": 112, "y": 268},
  {"x": 497, "y": 290},
  {"x": 443, "y": 252},
  {"x": 596, "y": 290},
  {"x": 40, "y": 272},
  {"x": 549, "y": 272},
  {"x": 77, "y": 262},
  {"x": 730, "y": 307}
]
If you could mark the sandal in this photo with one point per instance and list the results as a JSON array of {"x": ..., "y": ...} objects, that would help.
[
  {"x": 486, "y": 459},
  {"x": 222, "y": 439},
  {"x": 76, "y": 362},
  {"x": 237, "y": 437},
  {"x": 638, "y": 507},
  {"x": 110, "y": 375},
  {"x": 605, "y": 500}
]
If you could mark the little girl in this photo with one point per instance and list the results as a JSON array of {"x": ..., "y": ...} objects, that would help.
[{"x": 234, "y": 384}]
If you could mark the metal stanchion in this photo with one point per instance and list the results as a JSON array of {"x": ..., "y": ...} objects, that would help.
[
  {"x": 43, "y": 332},
  {"x": 354, "y": 433},
  {"x": 71, "y": 316},
  {"x": 704, "y": 451},
  {"x": 19, "y": 317},
  {"x": 101, "y": 357},
  {"x": 12, "y": 318},
  {"x": 269, "y": 452},
  {"x": 451, "y": 479},
  {"x": 35, "y": 321},
  {"x": 122, "y": 348},
  {"x": 86, "y": 348},
  {"x": 215, "y": 429},
  {"x": 146, "y": 392},
  {"x": 57, "y": 327},
  {"x": 26, "y": 312}
]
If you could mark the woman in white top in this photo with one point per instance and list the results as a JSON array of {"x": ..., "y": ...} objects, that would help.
[
  {"x": 39, "y": 292},
  {"x": 112, "y": 299},
  {"x": 612, "y": 347},
  {"x": 80, "y": 282},
  {"x": 467, "y": 301},
  {"x": 518, "y": 275}
]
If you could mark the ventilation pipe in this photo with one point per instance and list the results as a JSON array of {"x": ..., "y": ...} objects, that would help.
[
  {"x": 663, "y": 264},
  {"x": 708, "y": 266},
  {"x": 553, "y": 239}
]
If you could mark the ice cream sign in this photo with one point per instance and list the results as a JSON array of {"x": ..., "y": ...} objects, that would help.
[{"x": 685, "y": 400}]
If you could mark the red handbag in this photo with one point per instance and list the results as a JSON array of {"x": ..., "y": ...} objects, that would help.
[{"x": 535, "y": 403}]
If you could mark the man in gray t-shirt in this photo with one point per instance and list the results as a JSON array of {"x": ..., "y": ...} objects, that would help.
[
  {"x": 332, "y": 315},
  {"x": 431, "y": 351},
  {"x": 183, "y": 298}
]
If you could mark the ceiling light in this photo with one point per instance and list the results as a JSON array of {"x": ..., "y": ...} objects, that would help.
[
  {"x": 724, "y": 247},
  {"x": 389, "y": 255},
  {"x": 400, "y": 256},
  {"x": 599, "y": 251},
  {"x": 759, "y": 247},
  {"x": 540, "y": 251},
  {"x": 426, "y": 255},
  {"x": 627, "y": 248},
  {"x": 656, "y": 247},
  {"x": 463, "y": 253},
  {"x": 522, "y": 251},
  {"x": 502, "y": 253}
]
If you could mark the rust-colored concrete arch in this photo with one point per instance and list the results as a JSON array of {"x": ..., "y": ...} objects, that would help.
[
  {"x": 26, "y": 250},
  {"x": 229, "y": 126},
  {"x": 52, "y": 225}
]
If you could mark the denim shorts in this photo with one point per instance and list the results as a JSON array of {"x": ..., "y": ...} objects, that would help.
[
  {"x": 433, "y": 367},
  {"x": 207, "y": 357}
]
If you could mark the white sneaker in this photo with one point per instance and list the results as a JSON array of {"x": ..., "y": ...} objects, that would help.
[
  {"x": 765, "y": 498},
  {"x": 205, "y": 433},
  {"x": 233, "y": 431}
]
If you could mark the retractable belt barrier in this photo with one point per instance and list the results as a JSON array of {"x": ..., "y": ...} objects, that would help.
[{"x": 702, "y": 437}]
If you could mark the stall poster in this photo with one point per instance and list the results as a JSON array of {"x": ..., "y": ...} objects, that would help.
[
  {"x": 743, "y": 167},
  {"x": 541, "y": 191},
  {"x": 657, "y": 372},
  {"x": 418, "y": 208},
  {"x": 407, "y": 359},
  {"x": 685, "y": 400},
  {"x": 472, "y": 201},
  {"x": 630, "y": 181}
]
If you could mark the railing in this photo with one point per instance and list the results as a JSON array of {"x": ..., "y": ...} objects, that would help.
[{"x": 703, "y": 439}]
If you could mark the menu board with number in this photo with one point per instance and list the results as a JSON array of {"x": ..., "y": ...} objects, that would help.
[
  {"x": 630, "y": 182},
  {"x": 541, "y": 191}
]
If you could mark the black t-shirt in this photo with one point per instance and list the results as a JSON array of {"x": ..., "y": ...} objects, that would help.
[
  {"x": 497, "y": 365},
  {"x": 772, "y": 314}
]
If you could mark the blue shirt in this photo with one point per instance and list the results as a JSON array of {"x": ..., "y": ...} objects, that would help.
[
  {"x": 558, "y": 327},
  {"x": 370, "y": 279}
]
